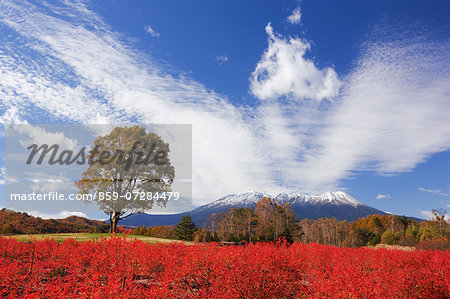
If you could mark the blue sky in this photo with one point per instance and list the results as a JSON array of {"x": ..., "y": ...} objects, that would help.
[{"x": 304, "y": 96}]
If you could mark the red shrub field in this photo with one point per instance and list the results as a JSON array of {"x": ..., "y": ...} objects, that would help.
[{"x": 118, "y": 267}]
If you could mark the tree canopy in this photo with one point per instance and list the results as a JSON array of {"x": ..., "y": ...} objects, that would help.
[{"x": 129, "y": 170}]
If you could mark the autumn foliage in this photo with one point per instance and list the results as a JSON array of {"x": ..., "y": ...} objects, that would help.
[
  {"x": 117, "y": 267},
  {"x": 21, "y": 223}
]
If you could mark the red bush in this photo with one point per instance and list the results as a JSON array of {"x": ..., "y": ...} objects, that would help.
[{"x": 116, "y": 267}]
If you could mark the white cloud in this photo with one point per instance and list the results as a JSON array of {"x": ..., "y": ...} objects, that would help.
[
  {"x": 383, "y": 196},
  {"x": 2, "y": 175},
  {"x": 52, "y": 185},
  {"x": 60, "y": 215},
  {"x": 430, "y": 215},
  {"x": 434, "y": 191},
  {"x": 11, "y": 116},
  {"x": 152, "y": 32},
  {"x": 295, "y": 17},
  {"x": 284, "y": 71},
  {"x": 392, "y": 113},
  {"x": 36, "y": 134},
  {"x": 222, "y": 59},
  {"x": 427, "y": 214}
]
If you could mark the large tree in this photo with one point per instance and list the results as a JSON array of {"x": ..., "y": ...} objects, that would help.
[{"x": 129, "y": 170}]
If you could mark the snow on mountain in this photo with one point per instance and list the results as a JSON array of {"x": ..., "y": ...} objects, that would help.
[
  {"x": 239, "y": 199},
  {"x": 250, "y": 198}
]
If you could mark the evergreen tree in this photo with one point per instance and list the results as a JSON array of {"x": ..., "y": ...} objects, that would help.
[{"x": 185, "y": 229}]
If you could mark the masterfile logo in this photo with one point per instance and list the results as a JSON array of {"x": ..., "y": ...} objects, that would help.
[{"x": 51, "y": 168}]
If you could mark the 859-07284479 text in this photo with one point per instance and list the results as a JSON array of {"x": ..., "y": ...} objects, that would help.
[{"x": 96, "y": 196}]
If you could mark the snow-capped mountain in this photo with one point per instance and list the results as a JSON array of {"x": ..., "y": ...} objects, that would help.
[
  {"x": 329, "y": 204},
  {"x": 245, "y": 199},
  {"x": 249, "y": 198},
  {"x": 336, "y": 198}
]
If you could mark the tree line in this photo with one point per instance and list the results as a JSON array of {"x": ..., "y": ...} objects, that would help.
[
  {"x": 269, "y": 221},
  {"x": 378, "y": 229},
  {"x": 162, "y": 231}
]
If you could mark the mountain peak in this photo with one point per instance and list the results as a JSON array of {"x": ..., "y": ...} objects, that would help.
[
  {"x": 247, "y": 198},
  {"x": 339, "y": 197},
  {"x": 251, "y": 197}
]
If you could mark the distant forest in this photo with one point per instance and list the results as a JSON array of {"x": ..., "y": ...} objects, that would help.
[{"x": 270, "y": 221}]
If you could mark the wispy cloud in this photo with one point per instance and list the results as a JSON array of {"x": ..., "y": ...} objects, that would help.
[
  {"x": 434, "y": 191},
  {"x": 295, "y": 17},
  {"x": 150, "y": 30},
  {"x": 383, "y": 196},
  {"x": 11, "y": 115},
  {"x": 60, "y": 71},
  {"x": 222, "y": 59},
  {"x": 389, "y": 113},
  {"x": 2, "y": 175}
]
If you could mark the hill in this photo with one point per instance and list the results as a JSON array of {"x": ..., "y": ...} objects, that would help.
[{"x": 12, "y": 222}]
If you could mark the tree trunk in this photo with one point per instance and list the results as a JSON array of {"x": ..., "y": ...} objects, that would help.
[{"x": 114, "y": 218}]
